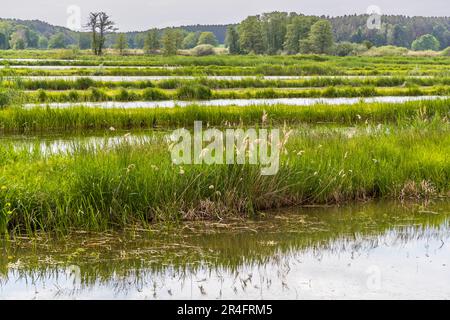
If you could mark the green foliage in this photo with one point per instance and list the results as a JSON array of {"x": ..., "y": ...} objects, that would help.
[
  {"x": 251, "y": 36},
  {"x": 397, "y": 36},
  {"x": 321, "y": 37},
  {"x": 98, "y": 95},
  {"x": 194, "y": 92},
  {"x": 136, "y": 182},
  {"x": 8, "y": 97},
  {"x": 203, "y": 50},
  {"x": 152, "y": 41},
  {"x": 208, "y": 38},
  {"x": 84, "y": 83},
  {"x": 171, "y": 41},
  {"x": 121, "y": 43},
  {"x": 426, "y": 42},
  {"x": 232, "y": 40},
  {"x": 298, "y": 30},
  {"x": 42, "y": 96},
  {"x": 343, "y": 49},
  {"x": 191, "y": 40},
  {"x": 18, "y": 41},
  {"x": 274, "y": 31},
  {"x": 386, "y": 51},
  {"x": 3, "y": 41},
  {"x": 43, "y": 42},
  {"x": 57, "y": 41},
  {"x": 153, "y": 94}
]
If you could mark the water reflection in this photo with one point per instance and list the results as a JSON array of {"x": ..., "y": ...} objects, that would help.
[
  {"x": 238, "y": 102},
  {"x": 50, "y": 144},
  {"x": 370, "y": 251}
]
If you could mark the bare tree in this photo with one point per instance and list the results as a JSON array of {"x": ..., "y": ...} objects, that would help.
[
  {"x": 99, "y": 24},
  {"x": 92, "y": 25}
]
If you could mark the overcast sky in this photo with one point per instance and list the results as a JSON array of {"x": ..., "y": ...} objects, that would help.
[{"x": 144, "y": 14}]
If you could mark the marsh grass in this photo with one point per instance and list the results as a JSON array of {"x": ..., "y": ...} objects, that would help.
[
  {"x": 318, "y": 82},
  {"x": 40, "y": 119},
  {"x": 193, "y": 92},
  {"x": 100, "y": 189}
]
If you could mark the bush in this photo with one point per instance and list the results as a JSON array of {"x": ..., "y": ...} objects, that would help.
[
  {"x": 386, "y": 51},
  {"x": 343, "y": 49},
  {"x": 203, "y": 50},
  {"x": 426, "y": 42},
  {"x": 194, "y": 92}
]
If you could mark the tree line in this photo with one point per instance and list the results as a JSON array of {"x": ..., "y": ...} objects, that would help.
[
  {"x": 268, "y": 33},
  {"x": 291, "y": 33}
]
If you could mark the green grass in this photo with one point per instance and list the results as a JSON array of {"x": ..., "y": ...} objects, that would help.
[
  {"x": 112, "y": 188},
  {"x": 87, "y": 58},
  {"x": 40, "y": 119},
  {"x": 319, "y": 82},
  {"x": 337, "y": 153},
  {"x": 237, "y": 65},
  {"x": 193, "y": 92}
]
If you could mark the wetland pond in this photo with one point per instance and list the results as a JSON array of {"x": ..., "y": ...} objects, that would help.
[{"x": 377, "y": 250}]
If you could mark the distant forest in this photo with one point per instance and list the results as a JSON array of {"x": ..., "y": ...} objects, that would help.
[{"x": 397, "y": 30}]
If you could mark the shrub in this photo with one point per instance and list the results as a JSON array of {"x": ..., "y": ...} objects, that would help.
[
  {"x": 426, "y": 42},
  {"x": 203, "y": 50},
  {"x": 343, "y": 49},
  {"x": 387, "y": 51}
]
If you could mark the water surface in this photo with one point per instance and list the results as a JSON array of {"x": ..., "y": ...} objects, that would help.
[
  {"x": 238, "y": 102},
  {"x": 372, "y": 251}
]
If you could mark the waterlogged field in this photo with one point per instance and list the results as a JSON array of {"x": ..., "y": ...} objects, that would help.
[{"x": 357, "y": 205}]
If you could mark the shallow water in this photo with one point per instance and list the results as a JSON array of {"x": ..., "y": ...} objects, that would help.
[
  {"x": 49, "y": 144},
  {"x": 372, "y": 251},
  {"x": 238, "y": 102}
]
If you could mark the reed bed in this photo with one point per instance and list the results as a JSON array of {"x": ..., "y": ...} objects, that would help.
[
  {"x": 127, "y": 184},
  {"x": 40, "y": 119},
  {"x": 66, "y": 57},
  {"x": 319, "y": 82},
  {"x": 301, "y": 68}
]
